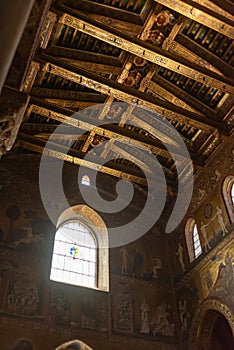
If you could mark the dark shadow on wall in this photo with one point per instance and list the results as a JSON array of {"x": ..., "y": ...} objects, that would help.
[{"x": 221, "y": 338}]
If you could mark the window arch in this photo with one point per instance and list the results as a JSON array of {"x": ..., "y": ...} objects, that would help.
[
  {"x": 196, "y": 242},
  {"x": 192, "y": 239},
  {"x": 85, "y": 180},
  {"x": 228, "y": 195},
  {"x": 80, "y": 253}
]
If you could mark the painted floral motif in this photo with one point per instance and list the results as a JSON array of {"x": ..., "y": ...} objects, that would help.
[{"x": 155, "y": 35}]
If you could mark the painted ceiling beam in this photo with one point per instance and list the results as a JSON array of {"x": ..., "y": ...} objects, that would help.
[
  {"x": 95, "y": 67},
  {"x": 216, "y": 61},
  {"x": 180, "y": 96},
  {"x": 218, "y": 6},
  {"x": 225, "y": 5},
  {"x": 153, "y": 85},
  {"x": 56, "y": 137},
  {"x": 82, "y": 55},
  {"x": 125, "y": 69},
  {"x": 48, "y": 130},
  {"x": 113, "y": 131},
  {"x": 66, "y": 94},
  {"x": 201, "y": 14},
  {"x": 102, "y": 9},
  {"x": 118, "y": 133},
  {"x": 55, "y": 150},
  {"x": 73, "y": 105},
  {"x": 130, "y": 95},
  {"x": 151, "y": 53},
  {"x": 129, "y": 28},
  {"x": 174, "y": 94}
]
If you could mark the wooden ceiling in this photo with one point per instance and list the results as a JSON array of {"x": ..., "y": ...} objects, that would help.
[{"x": 173, "y": 57}]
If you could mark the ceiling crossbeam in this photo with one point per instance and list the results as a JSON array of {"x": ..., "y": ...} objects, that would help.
[
  {"x": 85, "y": 56},
  {"x": 105, "y": 10},
  {"x": 179, "y": 96},
  {"x": 57, "y": 151},
  {"x": 66, "y": 95},
  {"x": 112, "y": 132},
  {"x": 215, "y": 8},
  {"x": 190, "y": 45},
  {"x": 146, "y": 51},
  {"x": 130, "y": 95},
  {"x": 201, "y": 14}
]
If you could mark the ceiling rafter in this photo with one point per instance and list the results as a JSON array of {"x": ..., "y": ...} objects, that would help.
[
  {"x": 112, "y": 132},
  {"x": 96, "y": 67},
  {"x": 119, "y": 134},
  {"x": 215, "y": 8},
  {"x": 73, "y": 105},
  {"x": 126, "y": 27},
  {"x": 160, "y": 90},
  {"x": 66, "y": 94},
  {"x": 108, "y": 11},
  {"x": 227, "y": 6},
  {"x": 180, "y": 96},
  {"x": 71, "y": 79},
  {"x": 62, "y": 137},
  {"x": 55, "y": 150},
  {"x": 146, "y": 51},
  {"x": 49, "y": 130},
  {"x": 125, "y": 71},
  {"x": 189, "y": 44},
  {"x": 169, "y": 96},
  {"x": 87, "y": 56},
  {"x": 201, "y": 14},
  {"x": 130, "y": 95},
  {"x": 182, "y": 50}
]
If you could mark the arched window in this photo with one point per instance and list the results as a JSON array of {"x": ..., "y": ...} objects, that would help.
[
  {"x": 196, "y": 242},
  {"x": 75, "y": 255},
  {"x": 192, "y": 239},
  {"x": 80, "y": 253},
  {"x": 85, "y": 180},
  {"x": 228, "y": 194}
]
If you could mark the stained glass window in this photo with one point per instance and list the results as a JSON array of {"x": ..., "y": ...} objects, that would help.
[{"x": 74, "y": 258}]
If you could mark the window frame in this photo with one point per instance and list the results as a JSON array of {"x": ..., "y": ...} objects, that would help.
[
  {"x": 190, "y": 226},
  {"x": 93, "y": 222},
  {"x": 92, "y": 234},
  {"x": 85, "y": 180},
  {"x": 196, "y": 239}
]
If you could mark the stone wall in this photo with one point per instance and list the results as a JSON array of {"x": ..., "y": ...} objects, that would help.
[
  {"x": 208, "y": 280},
  {"x": 139, "y": 310}
]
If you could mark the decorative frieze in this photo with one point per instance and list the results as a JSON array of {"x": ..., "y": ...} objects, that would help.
[
  {"x": 209, "y": 179},
  {"x": 47, "y": 29},
  {"x": 31, "y": 76}
]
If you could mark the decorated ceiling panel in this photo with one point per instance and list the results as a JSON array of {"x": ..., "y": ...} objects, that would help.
[{"x": 171, "y": 57}]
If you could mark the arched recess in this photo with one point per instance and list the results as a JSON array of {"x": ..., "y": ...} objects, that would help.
[
  {"x": 204, "y": 321},
  {"x": 23, "y": 343},
  {"x": 228, "y": 195},
  {"x": 90, "y": 218},
  {"x": 74, "y": 344}
]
